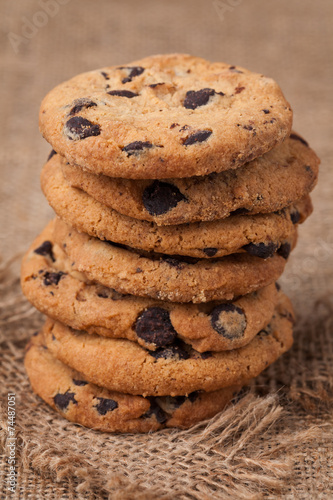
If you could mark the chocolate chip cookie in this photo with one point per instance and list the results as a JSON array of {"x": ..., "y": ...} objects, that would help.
[
  {"x": 170, "y": 115},
  {"x": 269, "y": 183},
  {"x": 234, "y": 234},
  {"x": 65, "y": 295},
  {"x": 125, "y": 366},
  {"x": 71, "y": 395},
  {"x": 171, "y": 278}
]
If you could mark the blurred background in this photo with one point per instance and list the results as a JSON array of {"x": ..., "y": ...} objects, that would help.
[{"x": 44, "y": 42}]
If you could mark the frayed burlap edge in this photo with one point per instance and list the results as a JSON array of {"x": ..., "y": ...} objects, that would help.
[{"x": 259, "y": 447}]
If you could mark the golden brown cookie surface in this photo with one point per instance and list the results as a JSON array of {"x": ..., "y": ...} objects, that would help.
[{"x": 165, "y": 116}]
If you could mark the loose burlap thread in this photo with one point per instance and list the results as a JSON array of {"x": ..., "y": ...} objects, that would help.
[{"x": 275, "y": 441}]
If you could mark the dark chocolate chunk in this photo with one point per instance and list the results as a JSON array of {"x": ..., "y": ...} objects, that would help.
[
  {"x": 106, "y": 76},
  {"x": 284, "y": 250},
  {"x": 247, "y": 127},
  {"x": 79, "y": 382},
  {"x": 173, "y": 262},
  {"x": 52, "y": 278},
  {"x": 200, "y": 136},
  {"x": 296, "y": 137},
  {"x": 123, "y": 93},
  {"x": 62, "y": 400},
  {"x": 80, "y": 104},
  {"x": 136, "y": 147},
  {"x": 210, "y": 251},
  {"x": 239, "y": 89},
  {"x": 77, "y": 128},
  {"x": 51, "y": 155},
  {"x": 160, "y": 197},
  {"x": 153, "y": 85},
  {"x": 35, "y": 334},
  {"x": 235, "y": 70},
  {"x": 105, "y": 405},
  {"x": 295, "y": 216},
  {"x": 154, "y": 326},
  {"x": 266, "y": 111},
  {"x": 262, "y": 250},
  {"x": 155, "y": 410},
  {"x": 45, "y": 249},
  {"x": 228, "y": 320},
  {"x": 175, "y": 351},
  {"x": 196, "y": 98},
  {"x": 133, "y": 71}
]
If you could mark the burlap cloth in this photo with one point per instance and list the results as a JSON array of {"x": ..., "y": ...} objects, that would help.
[{"x": 277, "y": 441}]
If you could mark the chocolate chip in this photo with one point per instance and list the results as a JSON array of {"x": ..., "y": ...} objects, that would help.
[
  {"x": 133, "y": 71},
  {"x": 45, "y": 249},
  {"x": 284, "y": 250},
  {"x": 154, "y": 326},
  {"x": 79, "y": 382},
  {"x": 136, "y": 146},
  {"x": 239, "y": 89},
  {"x": 160, "y": 197},
  {"x": 105, "y": 405},
  {"x": 228, "y": 320},
  {"x": 173, "y": 125},
  {"x": 210, "y": 251},
  {"x": 235, "y": 70},
  {"x": 173, "y": 262},
  {"x": 123, "y": 93},
  {"x": 196, "y": 98},
  {"x": 80, "y": 104},
  {"x": 106, "y": 76},
  {"x": 77, "y": 128},
  {"x": 51, "y": 155},
  {"x": 200, "y": 136},
  {"x": 51, "y": 278},
  {"x": 35, "y": 334},
  {"x": 265, "y": 331},
  {"x": 262, "y": 250},
  {"x": 277, "y": 286},
  {"x": 296, "y": 137},
  {"x": 247, "y": 127},
  {"x": 176, "y": 352},
  {"x": 63, "y": 400},
  {"x": 295, "y": 216},
  {"x": 266, "y": 111},
  {"x": 153, "y": 85},
  {"x": 155, "y": 410}
]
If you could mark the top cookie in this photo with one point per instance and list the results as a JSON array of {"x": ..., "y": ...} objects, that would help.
[{"x": 165, "y": 116}]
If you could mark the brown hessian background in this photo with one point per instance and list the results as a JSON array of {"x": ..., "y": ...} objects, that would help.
[{"x": 276, "y": 442}]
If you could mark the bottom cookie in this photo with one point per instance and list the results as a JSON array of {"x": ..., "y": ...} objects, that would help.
[{"x": 66, "y": 390}]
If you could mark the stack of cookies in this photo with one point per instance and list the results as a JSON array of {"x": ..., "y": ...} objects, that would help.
[{"x": 178, "y": 187}]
